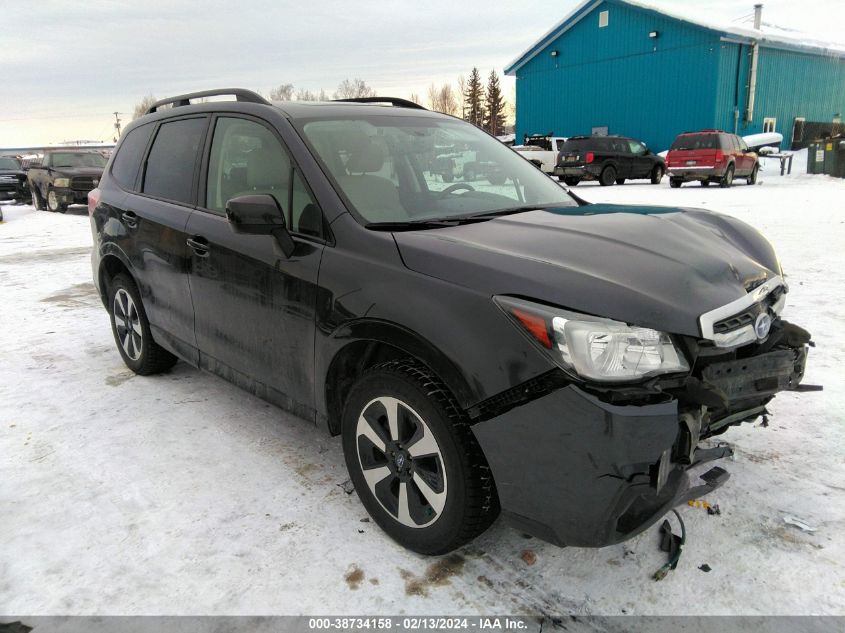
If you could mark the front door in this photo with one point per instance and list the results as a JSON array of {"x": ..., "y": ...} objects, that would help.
[
  {"x": 640, "y": 162},
  {"x": 254, "y": 308}
]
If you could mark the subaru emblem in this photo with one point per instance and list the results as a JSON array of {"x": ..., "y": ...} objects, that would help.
[{"x": 762, "y": 325}]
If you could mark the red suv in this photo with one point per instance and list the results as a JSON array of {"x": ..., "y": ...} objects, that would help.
[{"x": 710, "y": 156}]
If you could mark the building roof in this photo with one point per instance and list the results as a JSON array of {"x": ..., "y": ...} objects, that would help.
[{"x": 768, "y": 35}]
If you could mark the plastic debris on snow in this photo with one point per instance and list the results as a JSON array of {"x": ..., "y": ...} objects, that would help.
[{"x": 799, "y": 523}]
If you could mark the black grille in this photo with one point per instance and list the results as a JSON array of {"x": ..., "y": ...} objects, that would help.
[
  {"x": 82, "y": 183},
  {"x": 749, "y": 315}
]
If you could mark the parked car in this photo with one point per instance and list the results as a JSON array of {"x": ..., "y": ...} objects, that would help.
[
  {"x": 608, "y": 159},
  {"x": 13, "y": 184},
  {"x": 711, "y": 156},
  {"x": 541, "y": 150},
  {"x": 64, "y": 177},
  {"x": 521, "y": 350}
]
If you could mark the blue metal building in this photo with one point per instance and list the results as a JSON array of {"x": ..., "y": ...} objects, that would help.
[{"x": 622, "y": 67}]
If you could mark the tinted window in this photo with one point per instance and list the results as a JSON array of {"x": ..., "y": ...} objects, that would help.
[
  {"x": 696, "y": 141},
  {"x": 170, "y": 165},
  {"x": 124, "y": 168},
  {"x": 728, "y": 142},
  {"x": 577, "y": 144},
  {"x": 8, "y": 162}
]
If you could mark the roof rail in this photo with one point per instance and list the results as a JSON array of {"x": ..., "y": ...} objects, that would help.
[
  {"x": 394, "y": 101},
  {"x": 240, "y": 94}
]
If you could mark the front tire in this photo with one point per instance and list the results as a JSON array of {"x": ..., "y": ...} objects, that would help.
[
  {"x": 414, "y": 461},
  {"x": 572, "y": 182},
  {"x": 53, "y": 203},
  {"x": 37, "y": 200},
  {"x": 752, "y": 178},
  {"x": 656, "y": 174},
  {"x": 131, "y": 330},
  {"x": 675, "y": 182},
  {"x": 608, "y": 176},
  {"x": 620, "y": 181}
]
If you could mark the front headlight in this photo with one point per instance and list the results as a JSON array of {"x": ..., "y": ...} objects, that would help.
[
  {"x": 61, "y": 182},
  {"x": 602, "y": 350}
]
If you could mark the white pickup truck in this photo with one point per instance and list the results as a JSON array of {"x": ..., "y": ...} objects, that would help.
[{"x": 542, "y": 150}]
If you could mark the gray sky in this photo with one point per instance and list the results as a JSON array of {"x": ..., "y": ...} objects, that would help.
[{"x": 70, "y": 64}]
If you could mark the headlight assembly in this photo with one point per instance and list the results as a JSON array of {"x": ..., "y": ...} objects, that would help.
[
  {"x": 593, "y": 348},
  {"x": 61, "y": 182}
]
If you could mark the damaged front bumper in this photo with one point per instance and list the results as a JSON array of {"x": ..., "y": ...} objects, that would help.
[{"x": 585, "y": 467}]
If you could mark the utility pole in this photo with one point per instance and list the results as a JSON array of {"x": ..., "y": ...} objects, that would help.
[{"x": 117, "y": 125}]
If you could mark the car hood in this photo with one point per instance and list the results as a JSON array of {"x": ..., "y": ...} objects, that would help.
[
  {"x": 12, "y": 172},
  {"x": 96, "y": 172},
  {"x": 651, "y": 266}
]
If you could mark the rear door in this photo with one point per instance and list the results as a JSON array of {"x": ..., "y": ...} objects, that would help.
[
  {"x": 744, "y": 155},
  {"x": 255, "y": 308},
  {"x": 155, "y": 218},
  {"x": 621, "y": 155}
]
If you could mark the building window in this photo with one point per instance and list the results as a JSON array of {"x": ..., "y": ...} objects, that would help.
[
  {"x": 769, "y": 124},
  {"x": 604, "y": 17}
]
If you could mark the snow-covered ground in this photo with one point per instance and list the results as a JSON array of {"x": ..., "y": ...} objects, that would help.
[{"x": 180, "y": 494}]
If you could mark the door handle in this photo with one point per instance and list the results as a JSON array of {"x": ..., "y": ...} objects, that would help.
[
  {"x": 130, "y": 218},
  {"x": 199, "y": 245}
]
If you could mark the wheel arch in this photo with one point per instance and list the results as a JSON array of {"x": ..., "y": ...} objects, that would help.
[
  {"x": 364, "y": 344},
  {"x": 111, "y": 263}
]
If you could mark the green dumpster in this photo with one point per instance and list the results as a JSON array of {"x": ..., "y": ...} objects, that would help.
[{"x": 815, "y": 158}]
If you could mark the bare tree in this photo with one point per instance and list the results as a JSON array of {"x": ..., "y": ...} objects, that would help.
[
  {"x": 415, "y": 98},
  {"x": 353, "y": 88},
  {"x": 282, "y": 92},
  {"x": 309, "y": 95},
  {"x": 142, "y": 106},
  {"x": 443, "y": 99},
  {"x": 462, "y": 99}
]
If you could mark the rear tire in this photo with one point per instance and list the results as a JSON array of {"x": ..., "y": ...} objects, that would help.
[
  {"x": 572, "y": 182},
  {"x": 705, "y": 183},
  {"x": 752, "y": 178},
  {"x": 728, "y": 179},
  {"x": 131, "y": 329},
  {"x": 656, "y": 174},
  {"x": 608, "y": 176},
  {"x": 675, "y": 182},
  {"x": 37, "y": 200},
  {"x": 414, "y": 461}
]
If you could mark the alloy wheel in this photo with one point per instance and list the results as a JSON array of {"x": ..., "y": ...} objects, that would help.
[
  {"x": 127, "y": 323},
  {"x": 401, "y": 462}
]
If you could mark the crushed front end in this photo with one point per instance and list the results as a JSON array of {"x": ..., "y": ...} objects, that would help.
[{"x": 582, "y": 463}]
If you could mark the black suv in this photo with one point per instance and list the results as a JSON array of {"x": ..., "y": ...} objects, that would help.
[
  {"x": 608, "y": 159},
  {"x": 479, "y": 346}
]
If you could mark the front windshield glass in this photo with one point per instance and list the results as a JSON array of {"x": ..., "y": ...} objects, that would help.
[
  {"x": 405, "y": 169},
  {"x": 77, "y": 159},
  {"x": 6, "y": 162}
]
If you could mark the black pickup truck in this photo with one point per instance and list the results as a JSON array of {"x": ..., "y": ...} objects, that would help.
[
  {"x": 13, "y": 180},
  {"x": 64, "y": 177}
]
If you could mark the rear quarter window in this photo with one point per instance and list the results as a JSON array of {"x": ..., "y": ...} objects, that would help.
[
  {"x": 126, "y": 163},
  {"x": 171, "y": 162}
]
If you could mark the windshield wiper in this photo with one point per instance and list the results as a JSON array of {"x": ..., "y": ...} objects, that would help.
[
  {"x": 413, "y": 225},
  {"x": 435, "y": 223}
]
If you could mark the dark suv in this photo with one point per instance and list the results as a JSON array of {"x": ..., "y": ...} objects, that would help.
[
  {"x": 608, "y": 159},
  {"x": 711, "y": 156},
  {"x": 478, "y": 346}
]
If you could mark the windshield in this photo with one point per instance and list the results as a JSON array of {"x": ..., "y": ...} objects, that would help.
[
  {"x": 7, "y": 162},
  {"x": 77, "y": 159},
  {"x": 401, "y": 169},
  {"x": 696, "y": 141}
]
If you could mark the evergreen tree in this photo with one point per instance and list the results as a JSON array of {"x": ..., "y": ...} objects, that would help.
[
  {"x": 494, "y": 116},
  {"x": 474, "y": 97}
]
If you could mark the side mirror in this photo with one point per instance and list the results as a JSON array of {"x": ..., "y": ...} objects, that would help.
[{"x": 260, "y": 215}]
